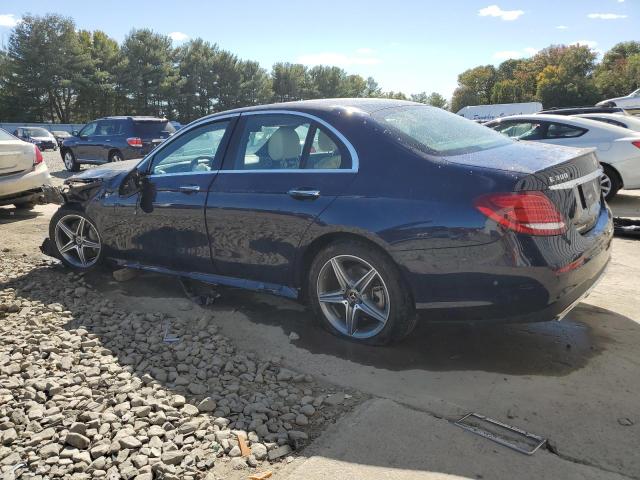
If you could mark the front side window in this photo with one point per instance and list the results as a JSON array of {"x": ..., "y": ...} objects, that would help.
[
  {"x": 195, "y": 151},
  {"x": 521, "y": 130},
  {"x": 436, "y": 131},
  {"x": 560, "y": 130},
  {"x": 89, "y": 129}
]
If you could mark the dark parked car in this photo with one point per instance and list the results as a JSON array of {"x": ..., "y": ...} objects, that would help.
[
  {"x": 367, "y": 209},
  {"x": 39, "y": 136},
  {"x": 579, "y": 110},
  {"x": 60, "y": 136},
  {"x": 113, "y": 139}
]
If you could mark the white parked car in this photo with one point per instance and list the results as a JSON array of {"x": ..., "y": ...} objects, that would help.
[
  {"x": 630, "y": 101},
  {"x": 22, "y": 172},
  {"x": 617, "y": 148},
  {"x": 624, "y": 121}
]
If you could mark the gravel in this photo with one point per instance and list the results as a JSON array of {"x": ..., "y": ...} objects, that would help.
[{"x": 89, "y": 389}]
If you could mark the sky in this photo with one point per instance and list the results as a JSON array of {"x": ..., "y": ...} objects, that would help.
[{"x": 406, "y": 45}]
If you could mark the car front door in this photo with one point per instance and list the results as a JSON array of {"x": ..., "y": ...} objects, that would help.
[
  {"x": 281, "y": 172},
  {"x": 169, "y": 228},
  {"x": 83, "y": 142}
]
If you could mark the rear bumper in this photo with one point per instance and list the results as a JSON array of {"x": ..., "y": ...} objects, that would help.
[
  {"x": 515, "y": 279},
  {"x": 22, "y": 187}
]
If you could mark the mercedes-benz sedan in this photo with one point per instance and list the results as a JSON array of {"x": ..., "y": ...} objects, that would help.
[{"x": 369, "y": 210}]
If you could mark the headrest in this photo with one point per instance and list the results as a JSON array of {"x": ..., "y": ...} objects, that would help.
[
  {"x": 284, "y": 144},
  {"x": 325, "y": 144}
]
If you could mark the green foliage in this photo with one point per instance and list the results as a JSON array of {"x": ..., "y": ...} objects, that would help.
[{"x": 434, "y": 99}]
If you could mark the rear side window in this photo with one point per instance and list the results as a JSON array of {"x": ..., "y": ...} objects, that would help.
[
  {"x": 436, "y": 131},
  {"x": 560, "y": 130},
  {"x": 521, "y": 130},
  {"x": 151, "y": 129},
  {"x": 109, "y": 127},
  {"x": 6, "y": 135}
]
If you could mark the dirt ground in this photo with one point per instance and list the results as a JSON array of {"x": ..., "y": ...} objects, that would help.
[{"x": 574, "y": 382}]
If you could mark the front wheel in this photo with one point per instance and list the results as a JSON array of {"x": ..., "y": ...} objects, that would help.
[
  {"x": 357, "y": 293},
  {"x": 75, "y": 238},
  {"x": 115, "y": 156},
  {"x": 69, "y": 160},
  {"x": 610, "y": 182}
]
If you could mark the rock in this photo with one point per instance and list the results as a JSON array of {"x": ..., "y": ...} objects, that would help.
[
  {"x": 50, "y": 450},
  {"x": 156, "y": 431},
  {"x": 172, "y": 458},
  {"x": 9, "y": 436},
  {"x": 124, "y": 274},
  {"x": 293, "y": 336},
  {"x": 235, "y": 452},
  {"x": 238, "y": 463},
  {"x": 190, "y": 410},
  {"x": 130, "y": 442},
  {"x": 279, "y": 452},
  {"x": 625, "y": 422},
  {"x": 197, "y": 389},
  {"x": 335, "y": 399},
  {"x": 259, "y": 451},
  {"x": 302, "y": 420},
  {"x": 252, "y": 461},
  {"x": 77, "y": 440},
  {"x": 308, "y": 410},
  {"x": 178, "y": 401},
  {"x": 78, "y": 427},
  {"x": 207, "y": 405},
  {"x": 284, "y": 375}
]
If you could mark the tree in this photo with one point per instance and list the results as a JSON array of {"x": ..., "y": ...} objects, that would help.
[
  {"x": 327, "y": 82},
  {"x": 355, "y": 86},
  {"x": 255, "y": 84},
  {"x": 147, "y": 75},
  {"x": 228, "y": 80},
  {"x": 480, "y": 80},
  {"x": 290, "y": 81},
  {"x": 617, "y": 75},
  {"x": 47, "y": 67},
  {"x": 197, "y": 85},
  {"x": 434, "y": 99},
  {"x": 507, "y": 91},
  {"x": 463, "y": 96},
  {"x": 372, "y": 89}
]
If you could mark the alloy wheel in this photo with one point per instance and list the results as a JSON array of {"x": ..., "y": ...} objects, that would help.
[
  {"x": 77, "y": 240},
  {"x": 116, "y": 157},
  {"x": 68, "y": 160},
  {"x": 353, "y": 296},
  {"x": 605, "y": 184}
]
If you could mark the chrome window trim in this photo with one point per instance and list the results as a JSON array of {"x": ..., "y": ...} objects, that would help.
[{"x": 577, "y": 181}]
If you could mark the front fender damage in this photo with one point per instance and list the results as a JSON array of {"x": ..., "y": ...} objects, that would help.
[{"x": 73, "y": 191}]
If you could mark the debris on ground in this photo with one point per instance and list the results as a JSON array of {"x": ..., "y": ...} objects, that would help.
[
  {"x": 89, "y": 389},
  {"x": 626, "y": 227},
  {"x": 293, "y": 336},
  {"x": 125, "y": 274},
  {"x": 261, "y": 476}
]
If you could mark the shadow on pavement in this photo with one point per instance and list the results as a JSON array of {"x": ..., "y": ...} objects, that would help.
[{"x": 10, "y": 214}]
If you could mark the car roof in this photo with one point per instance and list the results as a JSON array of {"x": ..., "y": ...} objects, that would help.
[
  {"x": 571, "y": 120},
  {"x": 327, "y": 105},
  {"x": 135, "y": 118}
]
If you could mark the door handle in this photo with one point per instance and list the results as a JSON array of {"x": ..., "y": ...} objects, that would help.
[
  {"x": 304, "y": 194},
  {"x": 189, "y": 188}
]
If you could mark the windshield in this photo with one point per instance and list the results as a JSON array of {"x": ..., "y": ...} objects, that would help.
[
  {"x": 437, "y": 131},
  {"x": 5, "y": 135},
  {"x": 36, "y": 132}
]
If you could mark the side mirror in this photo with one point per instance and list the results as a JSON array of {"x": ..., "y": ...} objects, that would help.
[{"x": 74, "y": 133}]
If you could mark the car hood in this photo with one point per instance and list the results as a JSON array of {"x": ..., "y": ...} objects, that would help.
[
  {"x": 519, "y": 156},
  {"x": 105, "y": 172}
]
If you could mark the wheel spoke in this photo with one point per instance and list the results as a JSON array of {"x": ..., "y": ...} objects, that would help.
[
  {"x": 351, "y": 315},
  {"x": 69, "y": 246},
  {"x": 80, "y": 227},
  {"x": 362, "y": 284},
  {"x": 90, "y": 244},
  {"x": 373, "y": 311},
  {"x": 67, "y": 231},
  {"x": 81, "y": 256},
  {"x": 340, "y": 274},
  {"x": 332, "y": 297}
]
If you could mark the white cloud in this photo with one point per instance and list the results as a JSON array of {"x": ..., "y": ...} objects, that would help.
[
  {"x": 9, "y": 20},
  {"x": 178, "y": 36},
  {"x": 507, "y": 54},
  {"x": 364, "y": 51},
  {"x": 586, "y": 43},
  {"x": 606, "y": 16},
  {"x": 337, "y": 59},
  {"x": 562, "y": 27},
  {"x": 620, "y": 1},
  {"x": 496, "y": 11}
]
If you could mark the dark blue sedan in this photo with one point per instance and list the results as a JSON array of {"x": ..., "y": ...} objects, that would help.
[{"x": 366, "y": 209}]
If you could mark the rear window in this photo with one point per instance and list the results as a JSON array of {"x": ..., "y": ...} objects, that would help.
[
  {"x": 153, "y": 129},
  {"x": 437, "y": 131},
  {"x": 6, "y": 135}
]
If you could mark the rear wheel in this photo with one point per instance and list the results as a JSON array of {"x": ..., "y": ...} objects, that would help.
[
  {"x": 75, "y": 239},
  {"x": 357, "y": 293},
  {"x": 115, "y": 156},
  {"x": 610, "y": 182},
  {"x": 69, "y": 160}
]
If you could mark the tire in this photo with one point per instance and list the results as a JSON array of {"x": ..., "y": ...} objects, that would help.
[
  {"x": 71, "y": 218},
  {"x": 610, "y": 182},
  {"x": 115, "y": 156},
  {"x": 70, "y": 162},
  {"x": 25, "y": 205},
  {"x": 385, "y": 294}
]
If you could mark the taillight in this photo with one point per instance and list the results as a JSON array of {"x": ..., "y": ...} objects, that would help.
[
  {"x": 523, "y": 212},
  {"x": 39, "y": 159},
  {"x": 134, "y": 141},
  {"x": 636, "y": 143}
]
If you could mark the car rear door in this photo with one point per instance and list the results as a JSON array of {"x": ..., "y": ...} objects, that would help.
[
  {"x": 282, "y": 170},
  {"x": 169, "y": 226}
]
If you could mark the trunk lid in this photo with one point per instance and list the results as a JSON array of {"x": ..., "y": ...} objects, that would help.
[
  {"x": 16, "y": 156},
  {"x": 570, "y": 177}
]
